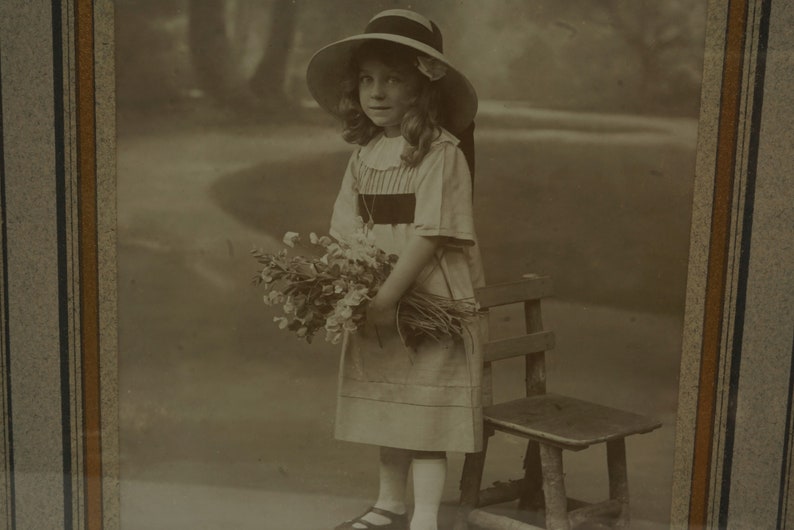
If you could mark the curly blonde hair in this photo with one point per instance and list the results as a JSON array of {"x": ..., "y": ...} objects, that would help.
[{"x": 421, "y": 124}]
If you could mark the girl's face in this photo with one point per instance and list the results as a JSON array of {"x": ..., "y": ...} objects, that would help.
[{"x": 386, "y": 93}]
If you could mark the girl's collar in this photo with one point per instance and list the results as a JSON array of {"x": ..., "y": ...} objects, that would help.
[{"x": 383, "y": 152}]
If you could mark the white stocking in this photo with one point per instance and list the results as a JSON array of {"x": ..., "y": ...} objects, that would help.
[
  {"x": 429, "y": 477},
  {"x": 394, "y": 465}
]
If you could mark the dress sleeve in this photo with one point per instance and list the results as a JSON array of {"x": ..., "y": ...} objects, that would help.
[
  {"x": 444, "y": 196},
  {"x": 343, "y": 218}
]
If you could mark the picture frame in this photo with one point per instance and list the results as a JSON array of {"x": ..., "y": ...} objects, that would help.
[{"x": 60, "y": 390}]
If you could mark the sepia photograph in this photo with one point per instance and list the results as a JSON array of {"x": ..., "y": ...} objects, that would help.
[
  {"x": 498, "y": 347},
  {"x": 441, "y": 264}
]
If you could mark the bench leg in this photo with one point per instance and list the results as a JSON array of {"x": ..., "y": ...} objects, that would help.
[
  {"x": 618, "y": 479},
  {"x": 531, "y": 499},
  {"x": 554, "y": 488},
  {"x": 470, "y": 483}
]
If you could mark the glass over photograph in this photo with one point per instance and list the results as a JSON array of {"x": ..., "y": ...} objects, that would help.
[{"x": 402, "y": 265}]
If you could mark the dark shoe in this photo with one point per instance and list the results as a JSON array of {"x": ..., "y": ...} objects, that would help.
[{"x": 399, "y": 521}]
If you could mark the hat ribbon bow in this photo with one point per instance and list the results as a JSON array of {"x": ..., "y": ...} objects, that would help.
[{"x": 431, "y": 67}]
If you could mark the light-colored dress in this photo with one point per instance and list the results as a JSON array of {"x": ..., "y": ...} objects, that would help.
[{"x": 429, "y": 398}]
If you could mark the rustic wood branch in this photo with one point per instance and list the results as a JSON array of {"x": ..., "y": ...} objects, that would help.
[
  {"x": 618, "y": 479},
  {"x": 554, "y": 488},
  {"x": 490, "y": 521},
  {"x": 536, "y": 343},
  {"x": 511, "y": 292},
  {"x": 535, "y": 365},
  {"x": 532, "y": 487},
  {"x": 605, "y": 509},
  {"x": 501, "y": 492}
]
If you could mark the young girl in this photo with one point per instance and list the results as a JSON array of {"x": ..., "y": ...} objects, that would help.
[{"x": 401, "y": 101}]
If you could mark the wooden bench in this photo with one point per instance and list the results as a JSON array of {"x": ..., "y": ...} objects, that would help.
[{"x": 551, "y": 424}]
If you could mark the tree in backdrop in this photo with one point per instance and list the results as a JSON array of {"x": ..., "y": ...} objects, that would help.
[
  {"x": 626, "y": 56},
  {"x": 589, "y": 55},
  {"x": 240, "y": 50},
  {"x": 152, "y": 63},
  {"x": 667, "y": 40}
]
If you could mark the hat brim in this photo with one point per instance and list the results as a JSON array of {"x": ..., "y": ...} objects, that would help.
[{"x": 328, "y": 68}]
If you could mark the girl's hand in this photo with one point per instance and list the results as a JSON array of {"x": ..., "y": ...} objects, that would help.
[{"x": 381, "y": 320}]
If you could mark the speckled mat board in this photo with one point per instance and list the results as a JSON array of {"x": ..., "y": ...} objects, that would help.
[{"x": 64, "y": 281}]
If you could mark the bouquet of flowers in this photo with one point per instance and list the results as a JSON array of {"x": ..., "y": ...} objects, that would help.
[{"x": 331, "y": 292}]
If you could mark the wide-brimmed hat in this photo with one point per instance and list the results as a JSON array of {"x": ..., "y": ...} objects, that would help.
[{"x": 329, "y": 66}]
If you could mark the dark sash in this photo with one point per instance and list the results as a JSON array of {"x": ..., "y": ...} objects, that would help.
[{"x": 392, "y": 209}]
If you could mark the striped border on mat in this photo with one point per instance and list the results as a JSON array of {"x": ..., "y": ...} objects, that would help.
[
  {"x": 717, "y": 261},
  {"x": 89, "y": 272}
]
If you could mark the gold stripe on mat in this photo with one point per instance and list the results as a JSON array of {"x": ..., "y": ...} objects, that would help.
[
  {"x": 89, "y": 275},
  {"x": 717, "y": 261}
]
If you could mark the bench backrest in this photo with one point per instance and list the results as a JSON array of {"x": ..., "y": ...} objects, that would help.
[{"x": 533, "y": 344}]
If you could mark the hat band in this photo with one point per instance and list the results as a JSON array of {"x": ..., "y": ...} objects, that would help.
[{"x": 404, "y": 27}]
